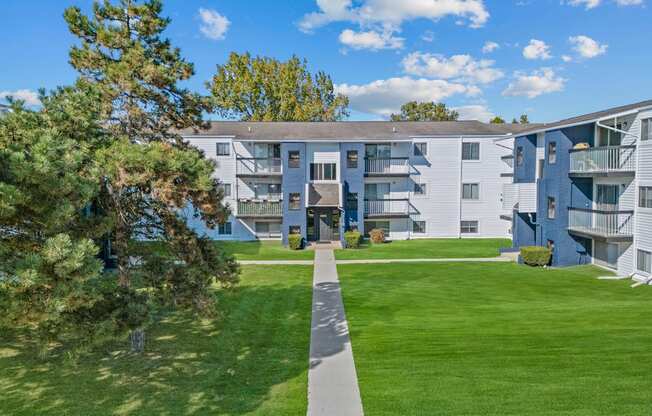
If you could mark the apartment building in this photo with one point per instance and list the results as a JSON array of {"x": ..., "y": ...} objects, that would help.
[
  {"x": 583, "y": 186},
  {"x": 414, "y": 180}
]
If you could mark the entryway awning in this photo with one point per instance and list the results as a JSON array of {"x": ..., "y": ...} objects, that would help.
[{"x": 324, "y": 195}]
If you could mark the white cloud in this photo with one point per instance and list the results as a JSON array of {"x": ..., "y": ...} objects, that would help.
[
  {"x": 428, "y": 36},
  {"x": 542, "y": 81},
  {"x": 587, "y": 47},
  {"x": 474, "y": 112},
  {"x": 537, "y": 49},
  {"x": 214, "y": 25},
  {"x": 629, "y": 2},
  {"x": 384, "y": 97},
  {"x": 461, "y": 67},
  {"x": 490, "y": 46},
  {"x": 589, "y": 4},
  {"x": 566, "y": 58},
  {"x": 370, "y": 40},
  {"x": 30, "y": 97}
]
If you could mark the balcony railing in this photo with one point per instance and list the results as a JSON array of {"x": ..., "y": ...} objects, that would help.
[
  {"x": 608, "y": 159},
  {"x": 260, "y": 209},
  {"x": 391, "y": 166},
  {"x": 606, "y": 224},
  {"x": 386, "y": 207},
  {"x": 259, "y": 166}
]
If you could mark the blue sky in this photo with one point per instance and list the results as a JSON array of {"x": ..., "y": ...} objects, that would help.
[{"x": 548, "y": 58}]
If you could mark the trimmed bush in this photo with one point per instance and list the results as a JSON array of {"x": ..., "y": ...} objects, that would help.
[
  {"x": 295, "y": 241},
  {"x": 352, "y": 239},
  {"x": 536, "y": 256},
  {"x": 377, "y": 236}
]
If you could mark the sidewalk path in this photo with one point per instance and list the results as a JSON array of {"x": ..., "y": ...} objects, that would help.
[
  {"x": 378, "y": 261},
  {"x": 332, "y": 379},
  {"x": 276, "y": 262}
]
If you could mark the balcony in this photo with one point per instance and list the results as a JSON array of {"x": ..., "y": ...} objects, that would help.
[
  {"x": 259, "y": 166},
  {"x": 521, "y": 197},
  {"x": 391, "y": 166},
  {"x": 603, "y": 161},
  {"x": 260, "y": 209},
  {"x": 386, "y": 208},
  {"x": 606, "y": 225}
]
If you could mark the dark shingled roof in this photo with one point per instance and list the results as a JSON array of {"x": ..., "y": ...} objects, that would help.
[
  {"x": 589, "y": 117},
  {"x": 352, "y": 130}
]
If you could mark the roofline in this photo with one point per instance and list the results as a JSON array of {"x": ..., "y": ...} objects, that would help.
[{"x": 498, "y": 136}]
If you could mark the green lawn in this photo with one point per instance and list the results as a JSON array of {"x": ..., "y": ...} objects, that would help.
[
  {"x": 498, "y": 339},
  {"x": 264, "y": 250},
  {"x": 426, "y": 249},
  {"x": 251, "y": 361}
]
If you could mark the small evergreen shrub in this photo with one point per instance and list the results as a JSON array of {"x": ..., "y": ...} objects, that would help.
[
  {"x": 377, "y": 236},
  {"x": 352, "y": 239},
  {"x": 295, "y": 241},
  {"x": 536, "y": 256}
]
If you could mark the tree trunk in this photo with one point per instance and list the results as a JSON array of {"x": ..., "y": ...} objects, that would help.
[
  {"x": 121, "y": 250},
  {"x": 137, "y": 338}
]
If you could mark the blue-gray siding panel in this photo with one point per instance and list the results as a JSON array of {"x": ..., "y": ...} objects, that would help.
[{"x": 294, "y": 180}]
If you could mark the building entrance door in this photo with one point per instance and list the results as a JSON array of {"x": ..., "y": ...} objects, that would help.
[{"x": 325, "y": 227}]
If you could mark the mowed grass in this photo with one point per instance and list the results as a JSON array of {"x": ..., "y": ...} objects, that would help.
[
  {"x": 252, "y": 360},
  {"x": 426, "y": 249},
  {"x": 263, "y": 250},
  {"x": 498, "y": 339}
]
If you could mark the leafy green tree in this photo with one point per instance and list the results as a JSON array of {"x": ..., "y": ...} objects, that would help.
[
  {"x": 148, "y": 173},
  {"x": 265, "y": 89},
  {"x": 425, "y": 111},
  {"x": 497, "y": 120},
  {"x": 524, "y": 119}
]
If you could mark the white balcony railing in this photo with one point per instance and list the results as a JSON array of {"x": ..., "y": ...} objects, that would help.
[
  {"x": 386, "y": 207},
  {"x": 603, "y": 159},
  {"x": 387, "y": 166},
  {"x": 252, "y": 166},
  {"x": 256, "y": 208},
  {"x": 601, "y": 223}
]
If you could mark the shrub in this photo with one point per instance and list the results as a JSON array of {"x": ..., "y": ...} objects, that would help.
[
  {"x": 536, "y": 256},
  {"x": 377, "y": 236},
  {"x": 295, "y": 241},
  {"x": 352, "y": 239}
]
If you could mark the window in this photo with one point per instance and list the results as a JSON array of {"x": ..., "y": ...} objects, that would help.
[
  {"x": 351, "y": 201},
  {"x": 420, "y": 149},
  {"x": 225, "y": 229},
  {"x": 375, "y": 191},
  {"x": 519, "y": 156},
  {"x": 295, "y": 229},
  {"x": 419, "y": 227},
  {"x": 552, "y": 208},
  {"x": 646, "y": 129},
  {"x": 352, "y": 159},
  {"x": 267, "y": 190},
  {"x": 644, "y": 261},
  {"x": 420, "y": 189},
  {"x": 267, "y": 150},
  {"x": 378, "y": 151},
  {"x": 226, "y": 187},
  {"x": 469, "y": 227},
  {"x": 267, "y": 229},
  {"x": 323, "y": 171},
  {"x": 470, "y": 151},
  {"x": 295, "y": 201},
  {"x": 223, "y": 149},
  {"x": 552, "y": 153},
  {"x": 471, "y": 191},
  {"x": 645, "y": 197},
  {"x": 294, "y": 159}
]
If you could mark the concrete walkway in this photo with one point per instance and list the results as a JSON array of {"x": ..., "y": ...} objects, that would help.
[
  {"x": 332, "y": 379},
  {"x": 502, "y": 259},
  {"x": 276, "y": 262}
]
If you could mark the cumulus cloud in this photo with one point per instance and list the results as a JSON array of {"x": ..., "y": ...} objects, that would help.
[
  {"x": 474, "y": 112},
  {"x": 213, "y": 25},
  {"x": 461, "y": 67},
  {"x": 587, "y": 47},
  {"x": 28, "y": 96},
  {"x": 490, "y": 46},
  {"x": 539, "y": 82},
  {"x": 537, "y": 49},
  {"x": 370, "y": 40},
  {"x": 384, "y": 97}
]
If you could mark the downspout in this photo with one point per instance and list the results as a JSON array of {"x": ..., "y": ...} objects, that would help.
[{"x": 459, "y": 199}]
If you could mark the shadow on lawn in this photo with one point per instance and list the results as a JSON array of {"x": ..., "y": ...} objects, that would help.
[{"x": 230, "y": 365}]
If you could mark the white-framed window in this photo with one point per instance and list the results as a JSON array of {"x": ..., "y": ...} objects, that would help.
[
  {"x": 418, "y": 227},
  {"x": 421, "y": 149},
  {"x": 469, "y": 227},
  {"x": 646, "y": 129},
  {"x": 294, "y": 202},
  {"x": 644, "y": 261},
  {"x": 352, "y": 159},
  {"x": 223, "y": 149},
  {"x": 471, "y": 191},
  {"x": 294, "y": 159},
  {"x": 645, "y": 196},
  {"x": 552, "y": 208},
  {"x": 470, "y": 151},
  {"x": 323, "y": 171},
  {"x": 226, "y": 188},
  {"x": 552, "y": 153},
  {"x": 225, "y": 229},
  {"x": 420, "y": 189}
]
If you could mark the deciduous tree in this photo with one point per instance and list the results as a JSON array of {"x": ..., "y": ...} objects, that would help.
[{"x": 426, "y": 111}]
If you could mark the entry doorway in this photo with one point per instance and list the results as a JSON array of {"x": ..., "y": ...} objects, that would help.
[{"x": 323, "y": 224}]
